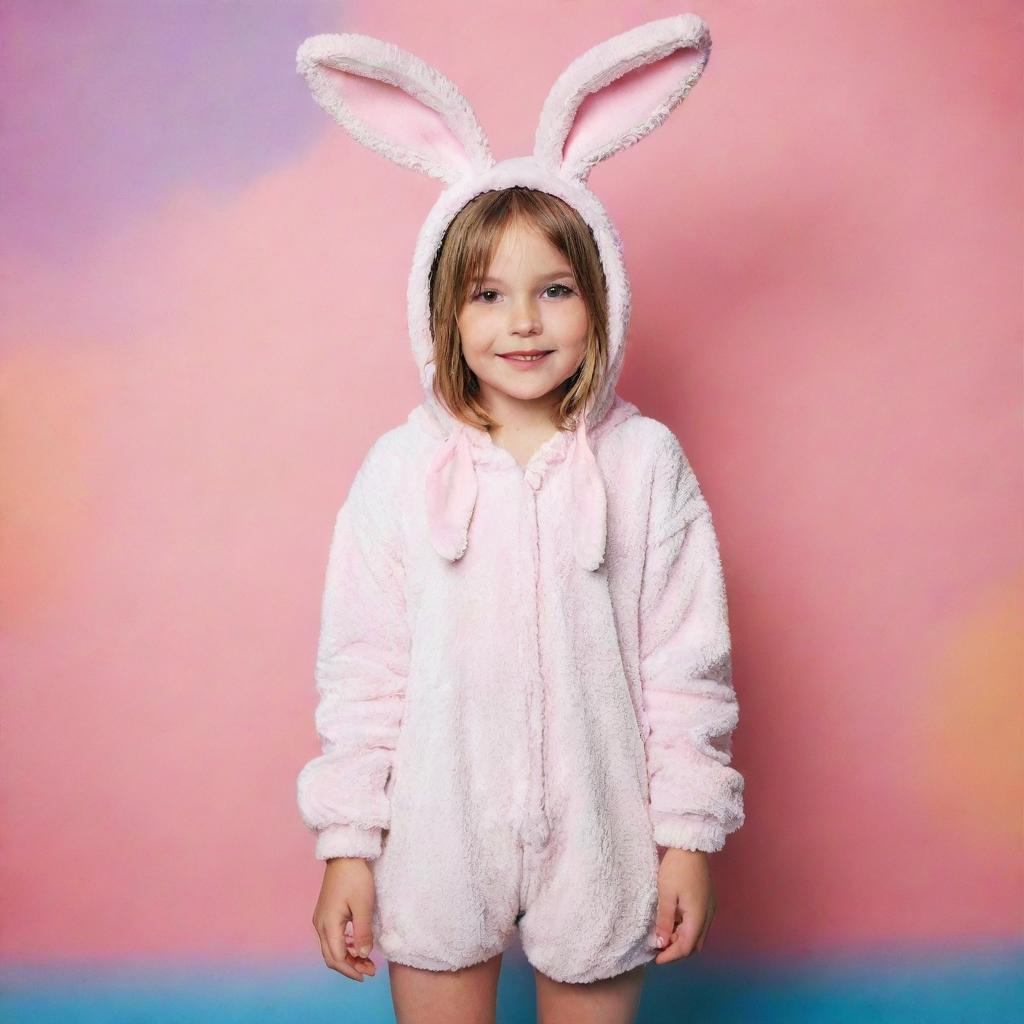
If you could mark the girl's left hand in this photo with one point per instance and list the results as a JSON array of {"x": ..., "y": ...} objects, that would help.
[{"x": 686, "y": 903}]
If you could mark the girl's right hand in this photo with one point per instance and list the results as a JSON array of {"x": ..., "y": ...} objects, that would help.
[{"x": 347, "y": 894}]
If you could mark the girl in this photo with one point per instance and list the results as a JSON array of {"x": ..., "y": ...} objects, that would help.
[{"x": 524, "y": 674}]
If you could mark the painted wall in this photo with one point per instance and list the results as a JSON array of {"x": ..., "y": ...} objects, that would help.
[{"x": 203, "y": 280}]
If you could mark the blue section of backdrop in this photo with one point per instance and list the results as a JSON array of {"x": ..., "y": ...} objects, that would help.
[{"x": 985, "y": 985}]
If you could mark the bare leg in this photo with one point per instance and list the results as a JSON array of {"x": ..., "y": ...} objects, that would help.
[
  {"x": 466, "y": 996},
  {"x": 608, "y": 1001}
]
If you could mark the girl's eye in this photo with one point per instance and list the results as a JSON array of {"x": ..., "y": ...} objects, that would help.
[{"x": 565, "y": 289}]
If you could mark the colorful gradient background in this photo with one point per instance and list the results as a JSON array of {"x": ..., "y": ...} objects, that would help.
[{"x": 203, "y": 329}]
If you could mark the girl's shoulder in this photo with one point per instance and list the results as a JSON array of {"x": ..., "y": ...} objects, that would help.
[
  {"x": 393, "y": 446},
  {"x": 649, "y": 441},
  {"x": 666, "y": 475},
  {"x": 383, "y": 466}
]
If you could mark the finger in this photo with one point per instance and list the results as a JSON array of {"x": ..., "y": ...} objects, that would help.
[
  {"x": 334, "y": 933},
  {"x": 362, "y": 927},
  {"x": 361, "y": 963},
  {"x": 665, "y": 918},
  {"x": 332, "y": 941},
  {"x": 681, "y": 944},
  {"x": 343, "y": 966},
  {"x": 360, "y": 941},
  {"x": 674, "y": 951}
]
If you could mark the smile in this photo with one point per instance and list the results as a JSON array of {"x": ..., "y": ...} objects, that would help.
[{"x": 524, "y": 357}]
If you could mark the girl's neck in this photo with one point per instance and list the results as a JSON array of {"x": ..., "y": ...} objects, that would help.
[
  {"x": 519, "y": 416},
  {"x": 523, "y": 427}
]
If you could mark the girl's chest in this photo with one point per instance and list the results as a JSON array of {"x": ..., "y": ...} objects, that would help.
[{"x": 522, "y": 535}]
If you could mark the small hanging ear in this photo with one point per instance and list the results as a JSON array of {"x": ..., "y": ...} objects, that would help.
[
  {"x": 619, "y": 91},
  {"x": 395, "y": 104}
]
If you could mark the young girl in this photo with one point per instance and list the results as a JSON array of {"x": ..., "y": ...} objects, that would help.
[{"x": 524, "y": 671}]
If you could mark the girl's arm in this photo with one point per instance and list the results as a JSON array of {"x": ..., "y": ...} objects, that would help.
[
  {"x": 361, "y": 667},
  {"x": 696, "y": 798}
]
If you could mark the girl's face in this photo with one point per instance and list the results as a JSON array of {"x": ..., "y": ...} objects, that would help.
[{"x": 524, "y": 328}]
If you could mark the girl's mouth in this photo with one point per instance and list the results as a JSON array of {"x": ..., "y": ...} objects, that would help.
[{"x": 530, "y": 358}]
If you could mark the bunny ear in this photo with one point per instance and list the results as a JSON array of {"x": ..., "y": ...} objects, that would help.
[
  {"x": 619, "y": 91},
  {"x": 394, "y": 103}
]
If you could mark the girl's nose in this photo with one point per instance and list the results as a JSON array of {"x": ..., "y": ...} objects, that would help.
[{"x": 524, "y": 318}]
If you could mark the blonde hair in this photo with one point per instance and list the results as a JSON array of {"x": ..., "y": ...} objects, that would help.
[{"x": 462, "y": 260}]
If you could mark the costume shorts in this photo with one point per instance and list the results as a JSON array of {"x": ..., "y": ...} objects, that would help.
[{"x": 584, "y": 905}]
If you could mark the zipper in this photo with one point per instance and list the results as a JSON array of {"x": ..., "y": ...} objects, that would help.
[{"x": 535, "y": 824}]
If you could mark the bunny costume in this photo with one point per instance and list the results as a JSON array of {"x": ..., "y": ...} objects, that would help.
[{"x": 524, "y": 672}]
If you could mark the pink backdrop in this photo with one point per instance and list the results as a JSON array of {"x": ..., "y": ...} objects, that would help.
[{"x": 204, "y": 328}]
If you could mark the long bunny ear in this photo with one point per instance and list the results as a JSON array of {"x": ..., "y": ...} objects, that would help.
[
  {"x": 619, "y": 91},
  {"x": 394, "y": 103}
]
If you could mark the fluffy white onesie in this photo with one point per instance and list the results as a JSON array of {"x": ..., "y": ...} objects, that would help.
[{"x": 524, "y": 673}]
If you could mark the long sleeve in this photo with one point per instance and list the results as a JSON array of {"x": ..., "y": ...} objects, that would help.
[
  {"x": 696, "y": 797},
  {"x": 361, "y": 666}
]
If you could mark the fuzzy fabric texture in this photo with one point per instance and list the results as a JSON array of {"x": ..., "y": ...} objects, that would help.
[{"x": 523, "y": 672}]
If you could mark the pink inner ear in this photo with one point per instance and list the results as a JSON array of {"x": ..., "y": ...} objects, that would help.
[
  {"x": 392, "y": 114},
  {"x": 618, "y": 108}
]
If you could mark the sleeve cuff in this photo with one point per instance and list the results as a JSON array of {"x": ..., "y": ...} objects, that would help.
[
  {"x": 689, "y": 832},
  {"x": 348, "y": 841}
]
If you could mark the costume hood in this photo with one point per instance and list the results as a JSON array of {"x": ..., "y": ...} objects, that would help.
[{"x": 607, "y": 99}]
